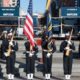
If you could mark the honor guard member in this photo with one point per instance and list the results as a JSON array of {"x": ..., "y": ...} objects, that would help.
[
  {"x": 79, "y": 44},
  {"x": 67, "y": 58},
  {"x": 30, "y": 59},
  {"x": 48, "y": 48},
  {"x": 3, "y": 37},
  {"x": 9, "y": 48}
]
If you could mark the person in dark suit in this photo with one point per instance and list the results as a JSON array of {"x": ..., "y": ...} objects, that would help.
[
  {"x": 67, "y": 58},
  {"x": 9, "y": 49},
  {"x": 48, "y": 48},
  {"x": 3, "y": 36},
  {"x": 79, "y": 44},
  {"x": 0, "y": 52},
  {"x": 30, "y": 59}
]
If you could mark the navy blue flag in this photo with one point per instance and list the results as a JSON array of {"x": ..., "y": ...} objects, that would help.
[{"x": 49, "y": 22}]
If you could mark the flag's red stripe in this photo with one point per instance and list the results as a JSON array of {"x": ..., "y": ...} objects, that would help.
[
  {"x": 26, "y": 24},
  {"x": 31, "y": 42},
  {"x": 29, "y": 31},
  {"x": 26, "y": 29},
  {"x": 29, "y": 37},
  {"x": 29, "y": 20}
]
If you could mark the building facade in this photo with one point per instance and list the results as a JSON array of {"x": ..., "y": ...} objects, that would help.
[
  {"x": 69, "y": 3},
  {"x": 9, "y": 13},
  {"x": 70, "y": 19}
]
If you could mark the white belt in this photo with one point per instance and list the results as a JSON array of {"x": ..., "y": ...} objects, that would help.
[{"x": 29, "y": 52}]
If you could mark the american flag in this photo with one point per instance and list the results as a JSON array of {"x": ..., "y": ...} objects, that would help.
[{"x": 28, "y": 26}]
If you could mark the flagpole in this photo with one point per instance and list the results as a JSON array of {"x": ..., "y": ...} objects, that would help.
[
  {"x": 48, "y": 4},
  {"x": 31, "y": 48}
]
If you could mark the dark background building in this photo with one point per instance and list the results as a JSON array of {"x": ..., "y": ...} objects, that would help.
[
  {"x": 67, "y": 22},
  {"x": 69, "y": 3},
  {"x": 9, "y": 13}
]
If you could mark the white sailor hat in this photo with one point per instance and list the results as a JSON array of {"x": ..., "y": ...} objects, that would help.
[
  {"x": 10, "y": 32},
  {"x": 44, "y": 27},
  {"x": 67, "y": 34},
  {"x": 5, "y": 32}
]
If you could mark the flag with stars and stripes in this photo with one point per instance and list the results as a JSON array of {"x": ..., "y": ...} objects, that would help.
[{"x": 28, "y": 26}]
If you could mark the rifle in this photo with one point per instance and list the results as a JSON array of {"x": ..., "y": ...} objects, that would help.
[
  {"x": 49, "y": 45},
  {"x": 68, "y": 50},
  {"x": 1, "y": 35},
  {"x": 9, "y": 47}
]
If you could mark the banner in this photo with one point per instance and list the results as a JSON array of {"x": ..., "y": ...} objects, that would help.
[
  {"x": 9, "y": 11},
  {"x": 70, "y": 11}
]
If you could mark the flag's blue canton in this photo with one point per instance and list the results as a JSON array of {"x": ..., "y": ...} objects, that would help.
[{"x": 30, "y": 8}]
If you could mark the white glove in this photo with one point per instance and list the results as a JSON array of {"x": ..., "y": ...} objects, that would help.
[
  {"x": 10, "y": 43},
  {"x": 6, "y": 54},
  {"x": 69, "y": 42},
  {"x": 67, "y": 48},
  {"x": 48, "y": 55},
  {"x": 30, "y": 54}
]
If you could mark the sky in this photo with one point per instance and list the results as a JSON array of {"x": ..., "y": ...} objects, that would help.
[{"x": 38, "y": 5}]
